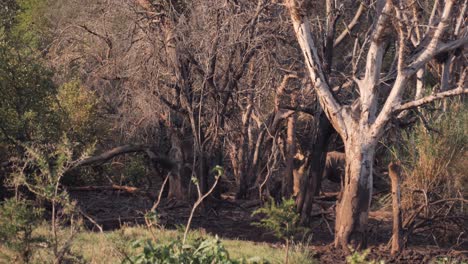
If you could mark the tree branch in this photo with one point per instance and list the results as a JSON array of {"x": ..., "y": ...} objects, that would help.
[
  {"x": 332, "y": 108},
  {"x": 111, "y": 154},
  {"x": 374, "y": 60},
  {"x": 350, "y": 27},
  {"x": 427, "y": 53},
  {"x": 431, "y": 98}
]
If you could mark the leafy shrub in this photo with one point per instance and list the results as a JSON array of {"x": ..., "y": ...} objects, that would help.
[
  {"x": 41, "y": 172},
  {"x": 281, "y": 219},
  {"x": 78, "y": 108},
  {"x": 134, "y": 171},
  {"x": 18, "y": 219},
  {"x": 26, "y": 99},
  {"x": 198, "y": 252}
]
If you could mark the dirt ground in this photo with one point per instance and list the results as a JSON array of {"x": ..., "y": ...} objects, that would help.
[{"x": 232, "y": 219}]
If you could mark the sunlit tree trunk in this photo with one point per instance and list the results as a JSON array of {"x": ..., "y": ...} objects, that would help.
[{"x": 353, "y": 209}]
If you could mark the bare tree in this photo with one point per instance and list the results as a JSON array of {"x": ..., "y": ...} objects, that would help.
[
  {"x": 188, "y": 78},
  {"x": 362, "y": 123}
]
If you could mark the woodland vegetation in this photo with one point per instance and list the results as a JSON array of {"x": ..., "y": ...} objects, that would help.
[{"x": 336, "y": 126}]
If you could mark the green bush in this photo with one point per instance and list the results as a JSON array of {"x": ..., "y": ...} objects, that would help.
[
  {"x": 18, "y": 219},
  {"x": 282, "y": 219},
  {"x": 78, "y": 108},
  {"x": 134, "y": 171},
  {"x": 199, "y": 251}
]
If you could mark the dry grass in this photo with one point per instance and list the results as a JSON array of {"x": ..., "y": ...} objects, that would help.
[
  {"x": 434, "y": 186},
  {"x": 435, "y": 161}
]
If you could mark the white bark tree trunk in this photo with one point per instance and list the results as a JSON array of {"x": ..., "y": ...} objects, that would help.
[{"x": 353, "y": 208}]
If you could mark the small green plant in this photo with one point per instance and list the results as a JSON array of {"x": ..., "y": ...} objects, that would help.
[
  {"x": 18, "y": 219},
  {"x": 281, "y": 219},
  {"x": 198, "y": 251},
  {"x": 361, "y": 258}
]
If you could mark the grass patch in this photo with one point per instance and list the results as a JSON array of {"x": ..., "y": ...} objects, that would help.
[{"x": 113, "y": 246}]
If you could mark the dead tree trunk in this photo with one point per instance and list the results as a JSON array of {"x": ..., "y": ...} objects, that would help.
[
  {"x": 244, "y": 151},
  {"x": 179, "y": 177},
  {"x": 288, "y": 178},
  {"x": 394, "y": 174}
]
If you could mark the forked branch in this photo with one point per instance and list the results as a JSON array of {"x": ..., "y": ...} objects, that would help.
[{"x": 331, "y": 106}]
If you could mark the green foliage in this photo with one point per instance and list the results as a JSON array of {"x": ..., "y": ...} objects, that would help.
[
  {"x": 281, "y": 219},
  {"x": 32, "y": 25},
  {"x": 198, "y": 252},
  {"x": 26, "y": 94},
  {"x": 134, "y": 171},
  {"x": 42, "y": 170},
  {"x": 47, "y": 165},
  {"x": 32, "y": 107},
  {"x": 218, "y": 170},
  {"x": 78, "y": 108},
  {"x": 8, "y": 9},
  {"x": 361, "y": 258},
  {"x": 18, "y": 219}
]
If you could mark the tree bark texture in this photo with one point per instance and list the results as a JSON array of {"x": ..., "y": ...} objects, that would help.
[
  {"x": 352, "y": 210},
  {"x": 288, "y": 178}
]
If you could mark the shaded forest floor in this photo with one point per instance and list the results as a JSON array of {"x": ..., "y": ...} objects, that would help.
[{"x": 232, "y": 220}]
